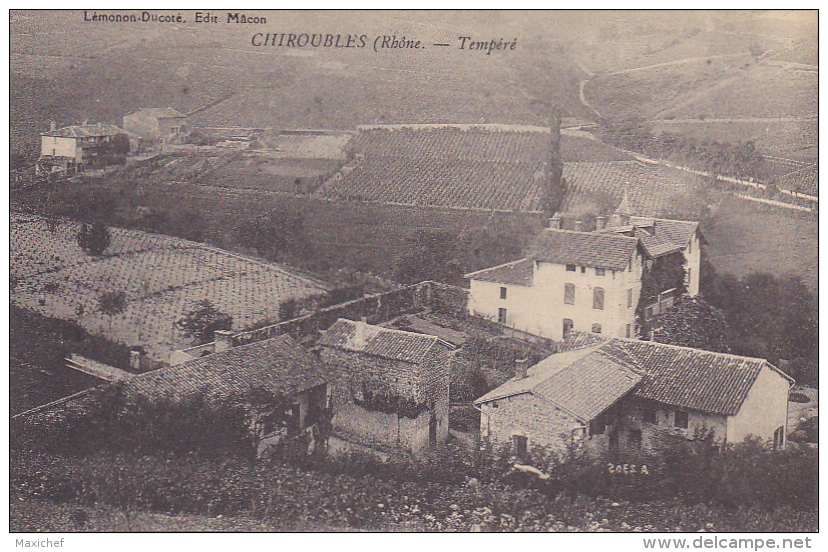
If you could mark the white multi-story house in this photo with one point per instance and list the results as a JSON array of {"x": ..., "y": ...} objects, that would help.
[
  {"x": 75, "y": 147},
  {"x": 584, "y": 281}
]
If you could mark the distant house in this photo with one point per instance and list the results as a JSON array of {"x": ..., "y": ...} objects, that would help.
[
  {"x": 74, "y": 148},
  {"x": 585, "y": 281},
  {"x": 158, "y": 124},
  {"x": 620, "y": 395},
  {"x": 392, "y": 386}
]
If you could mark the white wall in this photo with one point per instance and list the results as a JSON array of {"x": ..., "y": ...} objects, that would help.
[
  {"x": 62, "y": 147},
  {"x": 692, "y": 255},
  {"x": 765, "y": 409},
  {"x": 540, "y": 308}
]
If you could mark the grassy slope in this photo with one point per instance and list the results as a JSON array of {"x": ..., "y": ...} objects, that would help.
[{"x": 743, "y": 238}]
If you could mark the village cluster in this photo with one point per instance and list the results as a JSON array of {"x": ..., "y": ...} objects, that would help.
[{"x": 385, "y": 385}]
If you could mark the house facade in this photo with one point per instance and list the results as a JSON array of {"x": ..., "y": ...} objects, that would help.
[
  {"x": 572, "y": 281},
  {"x": 392, "y": 386},
  {"x": 158, "y": 124},
  {"x": 623, "y": 395},
  {"x": 586, "y": 281},
  {"x": 72, "y": 149}
]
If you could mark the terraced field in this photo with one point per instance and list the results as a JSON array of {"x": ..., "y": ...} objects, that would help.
[
  {"x": 162, "y": 277},
  {"x": 653, "y": 189},
  {"x": 501, "y": 168}
]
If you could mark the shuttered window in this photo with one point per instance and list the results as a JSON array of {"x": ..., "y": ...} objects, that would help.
[
  {"x": 598, "y": 299},
  {"x": 569, "y": 294}
]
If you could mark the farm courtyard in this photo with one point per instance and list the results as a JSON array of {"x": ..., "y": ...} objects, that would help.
[{"x": 163, "y": 278}]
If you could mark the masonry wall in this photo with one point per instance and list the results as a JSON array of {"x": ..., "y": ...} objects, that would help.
[
  {"x": 530, "y": 416},
  {"x": 765, "y": 408},
  {"x": 632, "y": 410},
  {"x": 381, "y": 429}
]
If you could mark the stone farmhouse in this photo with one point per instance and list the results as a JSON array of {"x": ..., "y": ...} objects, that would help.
[
  {"x": 392, "y": 386},
  {"x": 585, "y": 281},
  {"x": 74, "y": 148},
  {"x": 277, "y": 371},
  {"x": 157, "y": 124},
  {"x": 623, "y": 395}
]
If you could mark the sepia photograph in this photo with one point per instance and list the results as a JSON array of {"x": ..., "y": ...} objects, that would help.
[{"x": 385, "y": 271}]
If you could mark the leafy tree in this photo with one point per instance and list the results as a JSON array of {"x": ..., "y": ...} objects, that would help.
[
  {"x": 769, "y": 317},
  {"x": 432, "y": 256},
  {"x": 287, "y": 310},
  {"x": 481, "y": 248},
  {"x": 274, "y": 234},
  {"x": 112, "y": 303},
  {"x": 664, "y": 273},
  {"x": 202, "y": 322},
  {"x": 95, "y": 240},
  {"x": 692, "y": 322}
]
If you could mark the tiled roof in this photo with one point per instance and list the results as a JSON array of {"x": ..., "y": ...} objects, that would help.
[
  {"x": 86, "y": 131},
  {"x": 584, "y": 248},
  {"x": 279, "y": 365},
  {"x": 382, "y": 342},
  {"x": 584, "y": 385},
  {"x": 658, "y": 236},
  {"x": 156, "y": 113},
  {"x": 688, "y": 378},
  {"x": 519, "y": 273},
  {"x": 678, "y": 232}
]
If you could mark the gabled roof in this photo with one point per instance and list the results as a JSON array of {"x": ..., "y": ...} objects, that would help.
[
  {"x": 582, "y": 382},
  {"x": 156, "y": 113},
  {"x": 279, "y": 365},
  {"x": 706, "y": 381},
  {"x": 602, "y": 250},
  {"x": 382, "y": 342},
  {"x": 519, "y": 273},
  {"x": 86, "y": 131},
  {"x": 658, "y": 236}
]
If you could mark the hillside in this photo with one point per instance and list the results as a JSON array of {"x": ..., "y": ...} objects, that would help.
[{"x": 162, "y": 277}]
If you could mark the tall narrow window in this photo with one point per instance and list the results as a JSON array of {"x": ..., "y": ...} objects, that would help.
[
  {"x": 583, "y": 270},
  {"x": 567, "y": 327},
  {"x": 501, "y": 316},
  {"x": 682, "y": 419},
  {"x": 598, "y": 299},
  {"x": 569, "y": 294},
  {"x": 778, "y": 438},
  {"x": 520, "y": 443},
  {"x": 629, "y": 331},
  {"x": 503, "y": 293},
  {"x": 629, "y": 299}
]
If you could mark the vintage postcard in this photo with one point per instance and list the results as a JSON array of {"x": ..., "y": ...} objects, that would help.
[{"x": 414, "y": 271}]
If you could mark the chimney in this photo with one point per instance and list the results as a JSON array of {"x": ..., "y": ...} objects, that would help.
[
  {"x": 555, "y": 221},
  {"x": 600, "y": 222},
  {"x": 521, "y": 365},
  {"x": 135, "y": 360},
  {"x": 359, "y": 336},
  {"x": 52, "y": 126},
  {"x": 223, "y": 340},
  {"x": 577, "y": 225}
]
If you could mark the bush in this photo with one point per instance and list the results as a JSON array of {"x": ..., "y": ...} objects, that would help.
[{"x": 799, "y": 398}]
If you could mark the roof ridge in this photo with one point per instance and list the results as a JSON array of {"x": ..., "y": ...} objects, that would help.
[
  {"x": 498, "y": 266},
  {"x": 582, "y": 233},
  {"x": 683, "y": 347},
  {"x": 636, "y": 367},
  {"x": 395, "y": 330}
]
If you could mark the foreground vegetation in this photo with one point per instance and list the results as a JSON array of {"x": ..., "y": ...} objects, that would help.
[{"x": 689, "y": 486}]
